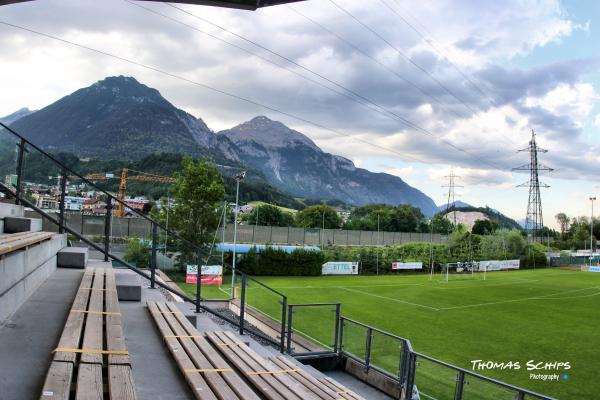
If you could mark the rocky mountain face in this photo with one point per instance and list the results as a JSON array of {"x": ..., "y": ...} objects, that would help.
[
  {"x": 291, "y": 161},
  {"x": 9, "y": 119},
  {"x": 115, "y": 118},
  {"x": 120, "y": 118}
]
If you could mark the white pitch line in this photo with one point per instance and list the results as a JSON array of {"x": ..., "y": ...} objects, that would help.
[
  {"x": 545, "y": 297},
  {"x": 389, "y": 298},
  {"x": 520, "y": 282}
]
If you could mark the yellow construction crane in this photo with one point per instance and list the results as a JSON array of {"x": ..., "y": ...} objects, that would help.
[{"x": 144, "y": 177}]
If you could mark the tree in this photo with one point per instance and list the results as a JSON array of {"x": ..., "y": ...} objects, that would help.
[
  {"x": 484, "y": 227},
  {"x": 270, "y": 215},
  {"x": 403, "y": 218},
  {"x": 441, "y": 224},
  {"x": 563, "y": 221},
  {"x": 198, "y": 193},
  {"x": 317, "y": 216}
]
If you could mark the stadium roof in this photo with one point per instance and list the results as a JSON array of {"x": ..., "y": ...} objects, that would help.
[{"x": 243, "y": 4}]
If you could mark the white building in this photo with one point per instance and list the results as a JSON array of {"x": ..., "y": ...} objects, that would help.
[{"x": 74, "y": 203}]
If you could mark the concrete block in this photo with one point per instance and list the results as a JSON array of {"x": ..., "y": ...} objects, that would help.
[
  {"x": 11, "y": 210},
  {"x": 129, "y": 287},
  {"x": 20, "y": 224},
  {"x": 1, "y": 225},
  {"x": 73, "y": 257}
]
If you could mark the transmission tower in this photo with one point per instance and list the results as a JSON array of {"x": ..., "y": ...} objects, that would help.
[
  {"x": 451, "y": 193},
  {"x": 534, "y": 222}
]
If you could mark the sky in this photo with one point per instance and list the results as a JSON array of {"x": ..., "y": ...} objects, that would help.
[{"x": 414, "y": 89}]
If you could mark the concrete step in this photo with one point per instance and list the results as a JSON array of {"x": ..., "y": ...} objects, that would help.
[
  {"x": 73, "y": 257},
  {"x": 11, "y": 210},
  {"x": 20, "y": 224}
]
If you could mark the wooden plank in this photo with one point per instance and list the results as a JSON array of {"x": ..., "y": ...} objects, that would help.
[
  {"x": 93, "y": 333},
  {"x": 10, "y": 237},
  {"x": 21, "y": 243},
  {"x": 115, "y": 339},
  {"x": 241, "y": 388},
  {"x": 200, "y": 388},
  {"x": 71, "y": 334},
  {"x": 343, "y": 391},
  {"x": 267, "y": 384},
  {"x": 309, "y": 382},
  {"x": 57, "y": 385},
  {"x": 89, "y": 382},
  {"x": 120, "y": 383},
  {"x": 267, "y": 365},
  {"x": 214, "y": 379}
]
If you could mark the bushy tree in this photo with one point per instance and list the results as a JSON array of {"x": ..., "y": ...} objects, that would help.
[
  {"x": 270, "y": 215},
  {"x": 198, "y": 193},
  {"x": 403, "y": 218},
  {"x": 317, "y": 216},
  {"x": 441, "y": 224},
  {"x": 484, "y": 227}
]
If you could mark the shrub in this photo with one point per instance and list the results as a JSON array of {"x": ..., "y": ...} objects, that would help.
[{"x": 137, "y": 253}]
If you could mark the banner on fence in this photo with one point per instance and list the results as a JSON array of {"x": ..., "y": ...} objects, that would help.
[
  {"x": 594, "y": 269},
  {"x": 211, "y": 274},
  {"x": 407, "y": 265},
  {"x": 340, "y": 268},
  {"x": 499, "y": 265}
]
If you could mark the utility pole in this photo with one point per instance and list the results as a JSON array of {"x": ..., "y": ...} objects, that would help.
[
  {"x": 239, "y": 177},
  {"x": 377, "y": 247},
  {"x": 534, "y": 222},
  {"x": 592, "y": 231},
  {"x": 451, "y": 193}
]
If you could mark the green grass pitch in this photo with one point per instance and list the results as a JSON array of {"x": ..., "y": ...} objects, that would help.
[{"x": 544, "y": 315}]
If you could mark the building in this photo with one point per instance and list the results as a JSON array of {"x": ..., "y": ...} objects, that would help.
[
  {"x": 10, "y": 180},
  {"x": 92, "y": 205},
  {"x": 46, "y": 202},
  {"x": 73, "y": 203}
]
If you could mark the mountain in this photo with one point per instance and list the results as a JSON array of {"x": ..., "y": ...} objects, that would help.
[
  {"x": 456, "y": 204},
  {"x": 122, "y": 119},
  {"x": 9, "y": 119},
  {"x": 115, "y": 118},
  {"x": 291, "y": 161}
]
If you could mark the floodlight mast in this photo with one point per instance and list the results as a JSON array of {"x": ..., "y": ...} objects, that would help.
[
  {"x": 239, "y": 177},
  {"x": 592, "y": 199}
]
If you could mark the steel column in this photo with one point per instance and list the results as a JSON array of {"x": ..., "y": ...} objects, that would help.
[
  {"x": 20, "y": 161},
  {"x": 368, "y": 348},
  {"x": 459, "y": 385},
  {"x": 61, "y": 205},
  {"x": 337, "y": 328},
  {"x": 289, "y": 328},
  {"x": 283, "y": 322},
  {"x": 199, "y": 282},
  {"x": 107, "y": 220},
  {"x": 153, "y": 256},
  {"x": 242, "y": 304}
]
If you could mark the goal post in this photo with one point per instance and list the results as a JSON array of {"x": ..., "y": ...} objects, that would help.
[{"x": 468, "y": 270}]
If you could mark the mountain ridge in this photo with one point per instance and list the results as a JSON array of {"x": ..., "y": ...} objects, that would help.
[{"x": 121, "y": 118}]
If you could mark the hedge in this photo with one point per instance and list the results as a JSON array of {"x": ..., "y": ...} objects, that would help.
[{"x": 278, "y": 262}]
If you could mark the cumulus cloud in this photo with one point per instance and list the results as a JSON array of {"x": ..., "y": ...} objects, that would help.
[{"x": 476, "y": 122}]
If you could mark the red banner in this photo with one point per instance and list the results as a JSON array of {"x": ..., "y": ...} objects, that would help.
[{"x": 206, "y": 279}]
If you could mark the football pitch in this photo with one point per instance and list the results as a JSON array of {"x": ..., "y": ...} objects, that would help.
[{"x": 540, "y": 316}]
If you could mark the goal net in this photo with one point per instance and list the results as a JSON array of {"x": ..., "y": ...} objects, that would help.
[{"x": 468, "y": 270}]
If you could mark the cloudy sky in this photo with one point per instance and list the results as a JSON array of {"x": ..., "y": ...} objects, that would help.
[{"x": 409, "y": 88}]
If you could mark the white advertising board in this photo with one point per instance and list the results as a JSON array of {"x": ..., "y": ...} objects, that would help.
[
  {"x": 407, "y": 265},
  {"x": 340, "y": 268},
  {"x": 499, "y": 265}
]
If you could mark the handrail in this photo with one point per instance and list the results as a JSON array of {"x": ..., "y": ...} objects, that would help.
[
  {"x": 89, "y": 182},
  {"x": 413, "y": 355}
]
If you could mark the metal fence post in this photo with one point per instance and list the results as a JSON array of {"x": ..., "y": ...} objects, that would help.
[
  {"x": 460, "y": 385},
  {"x": 107, "y": 217},
  {"x": 289, "y": 328},
  {"x": 283, "y": 322},
  {"x": 341, "y": 336},
  {"x": 337, "y": 328},
  {"x": 368, "y": 348},
  {"x": 403, "y": 364},
  {"x": 61, "y": 204},
  {"x": 242, "y": 303},
  {"x": 153, "y": 256},
  {"x": 20, "y": 161},
  {"x": 199, "y": 282},
  {"x": 412, "y": 366}
]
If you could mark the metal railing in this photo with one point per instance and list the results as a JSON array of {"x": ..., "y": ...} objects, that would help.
[
  {"x": 311, "y": 321},
  {"x": 412, "y": 370},
  {"x": 25, "y": 149}
]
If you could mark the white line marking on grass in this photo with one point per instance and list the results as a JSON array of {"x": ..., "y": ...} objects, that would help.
[
  {"x": 389, "y": 298},
  {"x": 545, "y": 297},
  {"x": 520, "y": 282},
  {"x": 428, "y": 396}
]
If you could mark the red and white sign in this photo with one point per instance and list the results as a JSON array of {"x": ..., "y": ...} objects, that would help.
[{"x": 210, "y": 275}]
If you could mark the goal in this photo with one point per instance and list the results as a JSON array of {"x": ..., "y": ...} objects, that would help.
[{"x": 468, "y": 270}]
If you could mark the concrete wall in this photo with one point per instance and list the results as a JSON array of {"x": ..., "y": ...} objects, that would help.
[
  {"x": 10, "y": 210},
  {"x": 23, "y": 271}
]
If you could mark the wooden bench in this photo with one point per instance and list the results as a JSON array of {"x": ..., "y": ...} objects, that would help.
[
  {"x": 206, "y": 371},
  {"x": 81, "y": 363},
  {"x": 326, "y": 388},
  {"x": 10, "y": 242}
]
